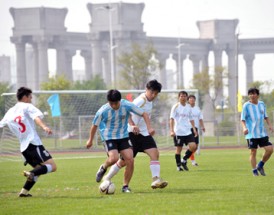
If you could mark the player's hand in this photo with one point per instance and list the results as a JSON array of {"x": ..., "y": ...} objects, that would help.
[
  {"x": 135, "y": 130},
  {"x": 172, "y": 134},
  {"x": 151, "y": 131},
  {"x": 245, "y": 131},
  {"x": 47, "y": 130},
  {"x": 89, "y": 144}
]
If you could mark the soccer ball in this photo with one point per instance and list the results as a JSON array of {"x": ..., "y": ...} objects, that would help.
[{"x": 107, "y": 187}]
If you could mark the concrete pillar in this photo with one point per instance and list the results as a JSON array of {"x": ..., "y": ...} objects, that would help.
[
  {"x": 87, "y": 57},
  {"x": 249, "y": 58},
  {"x": 196, "y": 63},
  {"x": 21, "y": 62},
  {"x": 218, "y": 66},
  {"x": 96, "y": 57},
  {"x": 69, "y": 72},
  {"x": 232, "y": 77},
  {"x": 180, "y": 70},
  {"x": 162, "y": 57},
  {"x": 60, "y": 59}
]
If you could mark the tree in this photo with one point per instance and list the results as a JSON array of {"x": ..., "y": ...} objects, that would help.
[
  {"x": 137, "y": 66},
  {"x": 97, "y": 83}
]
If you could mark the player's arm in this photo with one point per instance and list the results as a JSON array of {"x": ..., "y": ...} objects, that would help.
[
  {"x": 40, "y": 123},
  {"x": 92, "y": 133},
  {"x": 171, "y": 124},
  {"x": 245, "y": 130},
  {"x": 269, "y": 124},
  {"x": 135, "y": 128},
  {"x": 194, "y": 128},
  {"x": 202, "y": 126},
  {"x": 151, "y": 131}
]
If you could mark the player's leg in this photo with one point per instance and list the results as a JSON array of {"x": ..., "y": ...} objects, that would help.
[
  {"x": 157, "y": 182},
  {"x": 192, "y": 157},
  {"x": 114, "y": 169},
  {"x": 192, "y": 146},
  {"x": 252, "y": 145},
  {"x": 267, "y": 154},
  {"x": 179, "y": 146},
  {"x": 127, "y": 154}
]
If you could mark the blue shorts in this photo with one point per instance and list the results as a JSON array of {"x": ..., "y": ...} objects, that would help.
[{"x": 253, "y": 143}]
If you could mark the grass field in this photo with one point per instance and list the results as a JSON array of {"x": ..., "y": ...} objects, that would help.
[{"x": 221, "y": 184}]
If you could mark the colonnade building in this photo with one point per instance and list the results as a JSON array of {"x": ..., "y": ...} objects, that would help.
[{"x": 112, "y": 30}]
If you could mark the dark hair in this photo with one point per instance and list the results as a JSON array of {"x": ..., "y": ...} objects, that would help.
[
  {"x": 183, "y": 93},
  {"x": 154, "y": 85},
  {"x": 113, "y": 95},
  {"x": 23, "y": 91},
  {"x": 191, "y": 96},
  {"x": 253, "y": 90}
]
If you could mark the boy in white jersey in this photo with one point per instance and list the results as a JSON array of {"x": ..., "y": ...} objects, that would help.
[
  {"x": 21, "y": 119},
  {"x": 198, "y": 121},
  {"x": 252, "y": 118},
  {"x": 112, "y": 119},
  {"x": 140, "y": 138},
  {"x": 181, "y": 122}
]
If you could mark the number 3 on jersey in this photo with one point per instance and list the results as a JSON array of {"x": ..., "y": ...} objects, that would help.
[{"x": 22, "y": 127}]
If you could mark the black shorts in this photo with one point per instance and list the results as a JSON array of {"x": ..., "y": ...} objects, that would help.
[
  {"x": 119, "y": 144},
  {"x": 36, "y": 155},
  {"x": 140, "y": 143},
  {"x": 197, "y": 137},
  {"x": 253, "y": 143},
  {"x": 183, "y": 140}
]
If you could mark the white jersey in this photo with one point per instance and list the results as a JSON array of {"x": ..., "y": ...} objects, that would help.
[
  {"x": 20, "y": 120},
  {"x": 182, "y": 116},
  {"x": 197, "y": 116},
  {"x": 142, "y": 102}
]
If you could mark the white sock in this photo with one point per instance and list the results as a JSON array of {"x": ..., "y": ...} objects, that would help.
[
  {"x": 24, "y": 191},
  {"x": 49, "y": 167},
  {"x": 155, "y": 168},
  {"x": 114, "y": 169}
]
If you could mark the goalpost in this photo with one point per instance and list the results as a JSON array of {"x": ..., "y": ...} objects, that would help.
[{"x": 71, "y": 129}]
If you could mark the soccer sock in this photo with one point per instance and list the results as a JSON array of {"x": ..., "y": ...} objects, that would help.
[
  {"x": 187, "y": 154},
  {"x": 260, "y": 164},
  {"x": 155, "y": 168},
  {"x": 114, "y": 169},
  {"x": 192, "y": 156},
  {"x": 28, "y": 185},
  {"x": 178, "y": 159},
  {"x": 41, "y": 170}
]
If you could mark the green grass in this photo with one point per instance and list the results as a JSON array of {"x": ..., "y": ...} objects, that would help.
[{"x": 222, "y": 184}]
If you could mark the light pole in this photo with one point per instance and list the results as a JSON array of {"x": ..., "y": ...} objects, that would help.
[
  {"x": 180, "y": 80},
  {"x": 111, "y": 46}
]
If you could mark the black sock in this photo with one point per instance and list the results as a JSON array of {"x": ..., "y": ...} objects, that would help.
[
  {"x": 41, "y": 170},
  {"x": 28, "y": 185},
  {"x": 178, "y": 159},
  {"x": 187, "y": 154}
]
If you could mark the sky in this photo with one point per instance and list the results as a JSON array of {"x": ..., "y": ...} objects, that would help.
[{"x": 170, "y": 18}]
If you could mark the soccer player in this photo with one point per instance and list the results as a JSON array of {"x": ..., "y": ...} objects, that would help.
[
  {"x": 252, "y": 119},
  {"x": 20, "y": 120},
  {"x": 140, "y": 138},
  {"x": 199, "y": 124},
  {"x": 112, "y": 119},
  {"x": 181, "y": 122}
]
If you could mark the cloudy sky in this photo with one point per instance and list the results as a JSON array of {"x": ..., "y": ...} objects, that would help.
[{"x": 166, "y": 18}]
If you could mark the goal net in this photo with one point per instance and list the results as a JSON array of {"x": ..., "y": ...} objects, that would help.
[{"x": 71, "y": 129}]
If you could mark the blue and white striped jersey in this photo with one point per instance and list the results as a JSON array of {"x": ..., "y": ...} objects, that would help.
[
  {"x": 254, "y": 116},
  {"x": 113, "y": 123}
]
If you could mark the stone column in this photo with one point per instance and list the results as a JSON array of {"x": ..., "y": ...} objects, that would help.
[
  {"x": 232, "y": 77},
  {"x": 69, "y": 72},
  {"x": 162, "y": 57},
  {"x": 20, "y": 62},
  {"x": 249, "y": 58},
  {"x": 180, "y": 70},
  {"x": 196, "y": 63},
  {"x": 87, "y": 57},
  {"x": 60, "y": 59},
  {"x": 218, "y": 67},
  {"x": 205, "y": 63},
  {"x": 96, "y": 57}
]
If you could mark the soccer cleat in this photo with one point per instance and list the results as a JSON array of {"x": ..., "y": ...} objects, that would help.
[
  {"x": 28, "y": 175},
  {"x": 24, "y": 195},
  {"x": 100, "y": 173},
  {"x": 255, "y": 172},
  {"x": 159, "y": 183},
  {"x": 261, "y": 170},
  {"x": 184, "y": 166},
  {"x": 194, "y": 164},
  {"x": 179, "y": 168},
  {"x": 126, "y": 189}
]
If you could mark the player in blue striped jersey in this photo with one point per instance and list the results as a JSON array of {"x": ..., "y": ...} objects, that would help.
[
  {"x": 252, "y": 118},
  {"x": 112, "y": 120}
]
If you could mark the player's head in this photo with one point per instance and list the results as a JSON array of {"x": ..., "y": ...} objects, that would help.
[
  {"x": 182, "y": 95},
  {"x": 191, "y": 100},
  {"x": 253, "y": 90},
  {"x": 153, "y": 87},
  {"x": 114, "y": 98},
  {"x": 24, "y": 94}
]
